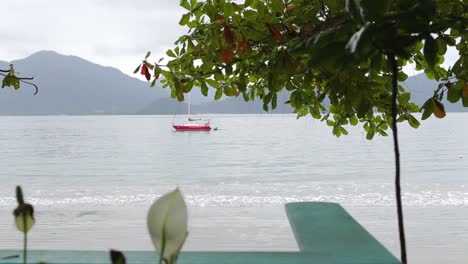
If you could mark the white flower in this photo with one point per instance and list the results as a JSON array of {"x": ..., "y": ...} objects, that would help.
[{"x": 167, "y": 224}]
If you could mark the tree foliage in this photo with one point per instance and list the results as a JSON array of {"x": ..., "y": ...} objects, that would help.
[{"x": 331, "y": 55}]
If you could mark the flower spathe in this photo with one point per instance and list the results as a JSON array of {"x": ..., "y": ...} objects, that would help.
[{"x": 167, "y": 224}]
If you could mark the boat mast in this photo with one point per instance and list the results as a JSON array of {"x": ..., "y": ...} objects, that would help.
[{"x": 189, "y": 97}]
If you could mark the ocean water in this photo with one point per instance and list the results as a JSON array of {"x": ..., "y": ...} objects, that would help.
[{"x": 92, "y": 179}]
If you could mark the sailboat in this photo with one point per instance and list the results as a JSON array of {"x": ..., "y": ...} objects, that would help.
[{"x": 194, "y": 124}]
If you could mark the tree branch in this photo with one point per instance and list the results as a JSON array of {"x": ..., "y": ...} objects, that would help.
[{"x": 401, "y": 228}]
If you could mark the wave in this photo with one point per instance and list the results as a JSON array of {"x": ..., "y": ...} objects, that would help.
[{"x": 426, "y": 198}]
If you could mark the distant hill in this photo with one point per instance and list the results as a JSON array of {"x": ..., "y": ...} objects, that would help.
[
  {"x": 71, "y": 85},
  {"x": 420, "y": 87},
  {"x": 229, "y": 105}
]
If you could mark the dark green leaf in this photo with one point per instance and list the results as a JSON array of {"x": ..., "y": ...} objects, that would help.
[
  {"x": 430, "y": 51},
  {"x": 274, "y": 100},
  {"x": 343, "y": 130},
  {"x": 204, "y": 89},
  {"x": 427, "y": 110},
  {"x": 278, "y": 5},
  {"x": 353, "y": 120},
  {"x": 370, "y": 135},
  {"x": 374, "y": 9},
  {"x": 185, "y": 4},
  {"x": 153, "y": 83},
  {"x": 413, "y": 121},
  {"x": 228, "y": 9},
  {"x": 353, "y": 8},
  {"x": 454, "y": 93},
  {"x": 170, "y": 53},
  {"x": 404, "y": 98},
  {"x": 117, "y": 257},
  {"x": 137, "y": 69},
  {"x": 219, "y": 93},
  {"x": 185, "y": 19}
]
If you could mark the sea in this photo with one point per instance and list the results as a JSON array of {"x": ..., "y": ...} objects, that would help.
[{"x": 92, "y": 179}]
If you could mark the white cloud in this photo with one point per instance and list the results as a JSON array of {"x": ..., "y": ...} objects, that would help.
[
  {"x": 109, "y": 32},
  {"x": 115, "y": 33}
]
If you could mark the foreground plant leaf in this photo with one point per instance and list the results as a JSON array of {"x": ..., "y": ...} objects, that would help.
[
  {"x": 167, "y": 224},
  {"x": 24, "y": 213},
  {"x": 117, "y": 257}
]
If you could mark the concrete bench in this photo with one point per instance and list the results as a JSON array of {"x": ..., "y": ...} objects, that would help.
[{"x": 325, "y": 233}]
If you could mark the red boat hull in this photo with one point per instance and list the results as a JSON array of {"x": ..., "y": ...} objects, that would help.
[{"x": 191, "y": 128}]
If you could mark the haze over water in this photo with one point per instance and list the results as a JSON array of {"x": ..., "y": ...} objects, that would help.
[{"x": 92, "y": 179}]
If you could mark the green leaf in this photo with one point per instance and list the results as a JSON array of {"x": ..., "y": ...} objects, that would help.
[
  {"x": 274, "y": 101},
  {"x": 117, "y": 257},
  {"x": 353, "y": 8},
  {"x": 24, "y": 213},
  {"x": 153, "y": 83},
  {"x": 137, "y": 69},
  {"x": 404, "y": 98},
  {"x": 246, "y": 96},
  {"x": 413, "y": 122},
  {"x": 219, "y": 93},
  {"x": 185, "y": 19},
  {"x": 353, "y": 120},
  {"x": 454, "y": 92},
  {"x": 212, "y": 83},
  {"x": 343, "y": 130},
  {"x": 372, "y": 10},
  {"x": 228, "y": 9},
  {"x": 278, "y": 5},
  {"x": 24, "y": 218},
  {"x": 402, "y": 76},
  {"x": 204, "y": 88},
  {"x": 370, "y": 135},
  {"x": 430, "y": 51},
  {"x": 185, "y": 4},
  {"x": 170, "y": 53},
  {"x": 147, "y": 55},
  {"x": 427, "y": 110},
  {"x": 19, "y": 195}
]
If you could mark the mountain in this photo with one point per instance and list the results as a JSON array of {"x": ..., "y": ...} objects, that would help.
[
  {"x": 229, "y": 105},
  {"x": 71, "y": 85},
  {"x": 420, "y": 87}
]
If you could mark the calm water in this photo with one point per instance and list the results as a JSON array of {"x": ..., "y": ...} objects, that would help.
[{"x": 92, "y": 179}]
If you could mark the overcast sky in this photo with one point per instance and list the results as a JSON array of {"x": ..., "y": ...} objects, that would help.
[{"x": 113, "y": 33}]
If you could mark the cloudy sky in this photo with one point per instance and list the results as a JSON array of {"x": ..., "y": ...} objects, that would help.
[
  {"x": 108, "y": 32},
  {"x": 113, "y": 33}
]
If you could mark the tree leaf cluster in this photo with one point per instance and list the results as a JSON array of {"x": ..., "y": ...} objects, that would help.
[{"x": 331, "y": 55}]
